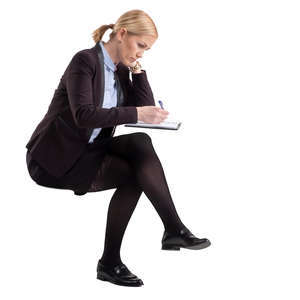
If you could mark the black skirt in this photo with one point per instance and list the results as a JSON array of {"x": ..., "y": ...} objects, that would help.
[{"x": 80, "y": 176}]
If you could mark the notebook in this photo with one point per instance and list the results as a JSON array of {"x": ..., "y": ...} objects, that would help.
[{"x": 166, "y": 124}]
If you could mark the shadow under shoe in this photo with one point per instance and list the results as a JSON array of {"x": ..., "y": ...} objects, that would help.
[
  {"x": 118, "y": 274},
  {"x": 185, "y": 239}
]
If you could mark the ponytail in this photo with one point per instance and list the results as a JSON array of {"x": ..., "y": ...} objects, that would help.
[{"x": 98, "y": 33}]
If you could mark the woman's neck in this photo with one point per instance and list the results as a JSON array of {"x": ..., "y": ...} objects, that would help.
[{"x": 110, "y": 47}]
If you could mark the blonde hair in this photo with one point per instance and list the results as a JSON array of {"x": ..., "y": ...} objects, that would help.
[{"x": 136, "y": 21}]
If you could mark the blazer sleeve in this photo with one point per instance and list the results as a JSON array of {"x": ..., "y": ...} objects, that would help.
[
  {"x": 139, "y": 90},
  {"x": 80, "y": 96}
]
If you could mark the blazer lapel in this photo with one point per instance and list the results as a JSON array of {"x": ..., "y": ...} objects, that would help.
[
  {"x": 100, "y": 84},
  {"x": 100, "y": 80},
  {"x": 120, "y": 95}
]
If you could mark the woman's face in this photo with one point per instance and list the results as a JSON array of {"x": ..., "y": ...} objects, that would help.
[{"x": 133, "y": 46}]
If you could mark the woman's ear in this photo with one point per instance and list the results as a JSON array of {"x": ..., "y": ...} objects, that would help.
[{"x": 121, "y": 34}]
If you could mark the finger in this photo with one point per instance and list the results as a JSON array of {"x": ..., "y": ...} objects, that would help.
[{"x": 163, "y": 111}]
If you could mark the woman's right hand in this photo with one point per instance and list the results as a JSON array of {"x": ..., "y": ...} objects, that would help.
[{"x": 151, "y": 114}]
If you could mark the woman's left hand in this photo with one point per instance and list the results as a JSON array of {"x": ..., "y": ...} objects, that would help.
[{"x": 133, "y": 64}]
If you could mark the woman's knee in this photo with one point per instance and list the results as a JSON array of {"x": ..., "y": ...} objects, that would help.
[
  {"x": 140, "y": 139},
  {"x": 132, "y": 146}
]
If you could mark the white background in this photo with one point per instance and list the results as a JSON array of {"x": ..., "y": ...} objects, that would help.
[{"x": 229, "y": 70}]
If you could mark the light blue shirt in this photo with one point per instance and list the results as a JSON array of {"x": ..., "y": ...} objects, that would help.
[{"x": 110, "y": 90}]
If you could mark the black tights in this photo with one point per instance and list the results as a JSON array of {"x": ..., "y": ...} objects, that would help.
[{"x": 133, "y": 167}]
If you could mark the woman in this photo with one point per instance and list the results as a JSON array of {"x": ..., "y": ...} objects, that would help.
[{"x": 73, "y": 147}]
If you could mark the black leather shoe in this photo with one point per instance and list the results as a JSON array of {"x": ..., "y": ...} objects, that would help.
[
  {"x": 118, "y": 274},
  {"x": 185, "y": 239}
]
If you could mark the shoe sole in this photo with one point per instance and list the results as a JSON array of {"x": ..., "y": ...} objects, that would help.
[
  {"x": 104, "y": 277},
  {"x": 195, "y": 247}
]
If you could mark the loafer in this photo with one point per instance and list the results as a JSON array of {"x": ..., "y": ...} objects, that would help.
[
  {"x": 185, "y": 239},
  {"x": 118, "y": 274},
  {"x": 79, "y": 192}
]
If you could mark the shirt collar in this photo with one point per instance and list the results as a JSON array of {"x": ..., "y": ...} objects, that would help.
[{"x": 107, "y": 59}]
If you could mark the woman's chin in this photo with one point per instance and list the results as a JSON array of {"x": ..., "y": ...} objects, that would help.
[
  {"x": 126, "y": 62},
  {"x": 132, "y": 61}
]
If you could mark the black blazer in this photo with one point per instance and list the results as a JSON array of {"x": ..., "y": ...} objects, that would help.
[{"x": 76, "y": 109}]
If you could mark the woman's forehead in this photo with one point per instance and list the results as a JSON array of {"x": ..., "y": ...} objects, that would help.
[{"x": 148, "y": 40}]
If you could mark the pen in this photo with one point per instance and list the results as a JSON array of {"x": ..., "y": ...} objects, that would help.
[{"x": 161, "y": 104}]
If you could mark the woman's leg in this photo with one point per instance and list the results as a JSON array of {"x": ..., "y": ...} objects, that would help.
[
  {"x": 121, "y": 207},
  {"x": 137, "y": 149},
  {"x": 116, "y": 173}
]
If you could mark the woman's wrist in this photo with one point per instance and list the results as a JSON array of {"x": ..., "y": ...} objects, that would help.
[
  {"x": 137, "y": 72},
  {"x": 137, "y": 68},
  {"x": 139, "y": 112}
]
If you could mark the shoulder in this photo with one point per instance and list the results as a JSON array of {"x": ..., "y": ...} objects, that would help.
[{"x": 84, "y": 58}]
